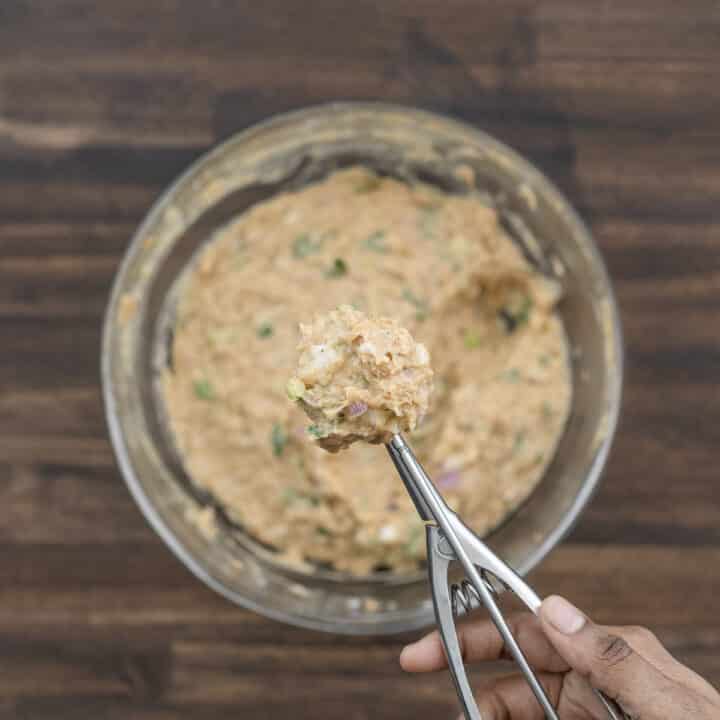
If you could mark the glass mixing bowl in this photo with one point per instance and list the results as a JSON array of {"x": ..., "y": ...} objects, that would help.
[{"x": 284, "y": 153}]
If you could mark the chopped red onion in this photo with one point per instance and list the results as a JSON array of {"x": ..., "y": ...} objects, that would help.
[
  {"x": 357, "y": 408},
  {"x": 449, "y": 480}
]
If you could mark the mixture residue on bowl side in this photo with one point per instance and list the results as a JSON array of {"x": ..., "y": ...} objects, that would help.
[{"x": 443, "y": 268}]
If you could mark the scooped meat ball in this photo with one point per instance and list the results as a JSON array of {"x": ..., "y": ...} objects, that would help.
[{"x": 360, "y": 378}]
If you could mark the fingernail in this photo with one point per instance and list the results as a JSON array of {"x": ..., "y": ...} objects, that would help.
[
  {"x": 408, "y": 651},
  {"x": 416, "y": 650},
  {"x": 417, "y": 646},
  {"x": 563, "y": 616}
]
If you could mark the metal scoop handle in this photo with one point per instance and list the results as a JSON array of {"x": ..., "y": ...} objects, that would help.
[{"x": 450, "y": 540}]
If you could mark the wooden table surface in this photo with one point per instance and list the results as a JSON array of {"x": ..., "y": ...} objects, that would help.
[{"x": 102, "y": 103}]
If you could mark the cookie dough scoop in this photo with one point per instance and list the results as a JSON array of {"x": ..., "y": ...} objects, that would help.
[{"x": 361, "y": 378}]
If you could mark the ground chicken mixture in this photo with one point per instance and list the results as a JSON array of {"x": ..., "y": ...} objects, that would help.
[
  {"x": 360, "y": 379},
  {"x": 441, "y": 266}
]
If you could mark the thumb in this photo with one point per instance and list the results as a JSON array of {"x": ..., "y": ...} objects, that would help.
[{"x": 606, "y": 659}]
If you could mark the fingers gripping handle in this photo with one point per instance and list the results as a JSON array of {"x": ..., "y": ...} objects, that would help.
[
  {"x": 462, "y": 545},
  {"x": 440, "y": 557}
]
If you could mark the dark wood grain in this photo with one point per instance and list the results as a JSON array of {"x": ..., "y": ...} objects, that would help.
[{"x": 103, "y": 103}]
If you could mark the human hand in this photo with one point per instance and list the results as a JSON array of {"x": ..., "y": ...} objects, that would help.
[{"x": 571, "y": 655}]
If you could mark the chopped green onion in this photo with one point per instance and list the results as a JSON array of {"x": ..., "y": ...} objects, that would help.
[
  {"x": 305, "y": 245},
  {"x": 421, "y": 308},
  {"x": 290, "y": 495},
  {"x": 316, "y": 431},
  {"x": 221, "y": 336},
  {"x": 427, "y": 221},
  {"x": 512, "y": 375},
  {"x": 203, "y": 389},
  {"x": 368, "y": 184},
  {"x": 376, "y": 242},
  {"x": 241, "y": 259},
  {"x": 320, "y": 530},
  {"x": 278, "y": 439},
  {"x": 513, "y": 318},
  {"x": 523, "y": 314},
  {"x": 415, "y": 540},
  {"x": 520, "y": 436},
  {"x": 295, "y": 388},
  {"x": 547, "y": 410},
  {"x": 293, "y": 496},
  {"x": 265, "y": 330},
  {"x": 472, "y": 339},
  {"x": 337, "y": 269}
]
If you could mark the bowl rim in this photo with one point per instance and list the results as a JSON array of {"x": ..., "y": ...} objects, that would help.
[{"x": 579, "y": 228}]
